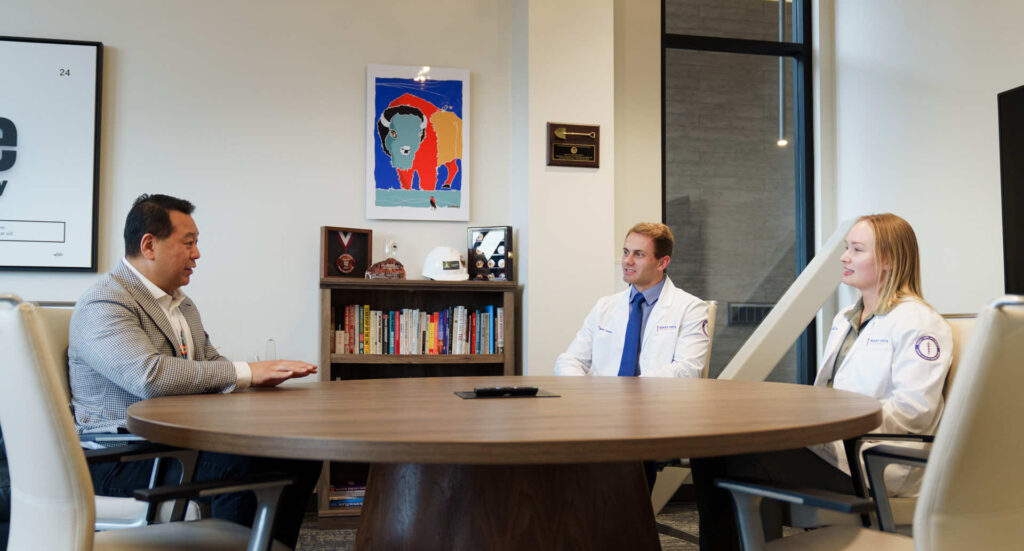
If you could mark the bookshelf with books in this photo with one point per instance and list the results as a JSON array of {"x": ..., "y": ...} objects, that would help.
[{"x": 373, "y": 329}]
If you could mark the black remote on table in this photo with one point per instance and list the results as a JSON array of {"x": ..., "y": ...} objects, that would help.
[{"x": 491, "y": 391}]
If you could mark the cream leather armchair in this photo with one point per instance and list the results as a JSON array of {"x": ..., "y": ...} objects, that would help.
[
  {"x": 114, "y": 512},
  {"x": 53, "y": 505},
  {"x": 897, "y": 512},
  {"x": 972, "y": 495}
]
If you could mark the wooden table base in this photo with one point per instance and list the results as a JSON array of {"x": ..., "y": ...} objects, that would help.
[{"x": 498, "y": 507}]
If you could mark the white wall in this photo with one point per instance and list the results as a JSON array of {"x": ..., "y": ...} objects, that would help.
[
  {"x": 917, "y": 130},
  {"x": 254, "y": 110},
  {"x": 638, "y": 195},
  {"x": 568, "y": 77}
]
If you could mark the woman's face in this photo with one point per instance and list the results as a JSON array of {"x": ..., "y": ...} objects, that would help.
[{"x": 861, "y": 269}]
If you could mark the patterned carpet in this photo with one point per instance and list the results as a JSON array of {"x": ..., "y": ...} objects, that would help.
[{"x": 682, "y": 516}]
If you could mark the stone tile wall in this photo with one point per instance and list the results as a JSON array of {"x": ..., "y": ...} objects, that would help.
[{"x": 729, "y": 187}]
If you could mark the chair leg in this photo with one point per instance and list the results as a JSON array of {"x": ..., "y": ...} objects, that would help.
[{"x": 748, "y": 519}]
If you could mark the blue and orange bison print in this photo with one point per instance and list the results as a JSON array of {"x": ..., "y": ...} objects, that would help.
[{"x": 420, "y": 138}]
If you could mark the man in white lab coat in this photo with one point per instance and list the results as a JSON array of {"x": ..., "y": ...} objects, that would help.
[{"x": 652, "y": 329}]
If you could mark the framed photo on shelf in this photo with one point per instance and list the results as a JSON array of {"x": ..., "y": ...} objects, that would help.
[
  {"x": 490, "y": 253},
  {"x": 345, "y": 252},
  {"x": 417, "y": 143}
]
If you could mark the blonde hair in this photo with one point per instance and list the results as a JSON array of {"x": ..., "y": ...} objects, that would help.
[
  {"x": 895, "y": 246},
  {"x": 660, "y": 233}
]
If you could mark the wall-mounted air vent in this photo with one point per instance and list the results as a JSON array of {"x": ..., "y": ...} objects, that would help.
[{"x": 748, "y": 313}]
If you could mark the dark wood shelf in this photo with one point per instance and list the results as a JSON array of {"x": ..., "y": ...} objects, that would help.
[
  {"x": 415, "y": 284},
  {"x": 433, "y": 359},
  {"x": 395, "y": 294}
]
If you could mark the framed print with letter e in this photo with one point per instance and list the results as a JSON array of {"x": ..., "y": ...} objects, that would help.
[
  {"x": 345, "y": 252},
  {"x": 49, "y": 153},
  {"x": 417, "y": 143}
]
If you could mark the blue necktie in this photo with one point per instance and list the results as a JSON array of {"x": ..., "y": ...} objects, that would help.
[{"x": 629, "y": 367}]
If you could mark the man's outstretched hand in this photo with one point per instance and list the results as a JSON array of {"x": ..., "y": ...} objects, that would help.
[{"x": 275, "y": 372}]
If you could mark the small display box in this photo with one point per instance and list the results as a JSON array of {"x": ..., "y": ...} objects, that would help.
[
  {"x": 345, "y": 252},
  {"x": 490, "y": 253}
]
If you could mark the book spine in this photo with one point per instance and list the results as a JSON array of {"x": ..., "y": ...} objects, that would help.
[
  {"x": 473, "y": 335},
  {"x": 424, "y": 343},
  {"x": 490, "y": 329},
  {"x": 431, "y": 336},
  {"x": 444, "y": 333},
  {"x": 366, "y": 329},
  {"x": 373, "y": 332},
  {"x": 458, "y": 330},
  {"x": 501, "y": 331},
  {"x": 351, "y": 329}
]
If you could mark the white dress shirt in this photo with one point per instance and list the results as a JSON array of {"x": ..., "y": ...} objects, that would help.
[{"x": 170, "y": 304}]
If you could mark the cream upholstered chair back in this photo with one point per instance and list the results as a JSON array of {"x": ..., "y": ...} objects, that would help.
[
  {"x": 962, "y": 325},
  {"x": 712, "y": 310},
  {"x": 52, "y": 496},
  {"x": 973, "y": 490},
  {"x": 55, "y": 323}
]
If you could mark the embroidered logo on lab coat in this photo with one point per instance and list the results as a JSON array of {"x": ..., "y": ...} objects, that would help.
[
  {"x": 877, "y": 343},
  {"x": 927, "y": 347},
  {"x": 604, "y": 330},
  {"x": 704, "y": 328},
  {"x": 665, "y": 328}
]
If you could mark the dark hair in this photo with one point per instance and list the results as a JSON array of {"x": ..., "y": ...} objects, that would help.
[{"x": 151, "y": 214}]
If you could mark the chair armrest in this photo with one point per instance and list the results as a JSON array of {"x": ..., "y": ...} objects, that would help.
[
  {"x": 876, "y": 459},
  {"x": 130, "y": 452},
  {"x": 887, "y": 437},
  {"x": 747, "y": 496},
  {"x": 108, "y": 438},
  {"x": 139, "y": 449},
  {"x": 267, "y": 487},
  {"x": 799, "y": 495},
  {"x": 196, "y": 490}
]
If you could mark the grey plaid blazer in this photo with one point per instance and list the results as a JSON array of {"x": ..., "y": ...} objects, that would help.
[{"x": 121, "y": 350}]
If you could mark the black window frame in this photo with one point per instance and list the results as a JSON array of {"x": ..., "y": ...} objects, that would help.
[{"x": 800, "y": 51}]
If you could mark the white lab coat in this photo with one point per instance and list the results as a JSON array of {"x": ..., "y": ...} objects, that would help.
[
  {"x": 674, "y": 344},
  {"x": 901, "y": 358}
]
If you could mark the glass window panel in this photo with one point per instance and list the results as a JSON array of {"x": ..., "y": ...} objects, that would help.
[
  {"x": 750, "y": 19},
  {"x": 730, "y": 188}
]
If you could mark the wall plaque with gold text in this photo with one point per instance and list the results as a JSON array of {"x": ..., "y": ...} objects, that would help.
[{"x": 574, "y": 145}]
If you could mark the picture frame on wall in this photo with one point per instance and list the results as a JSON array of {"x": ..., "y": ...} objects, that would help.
[
  {"x": 417, "y": 143},
  {"x": 50, "y": 154},
  {"x": 491, "y": 254},
  {"x": 345, "y": 252}
]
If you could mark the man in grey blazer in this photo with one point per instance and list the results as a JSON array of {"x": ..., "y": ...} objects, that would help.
[{"x": 135, "y": 335}]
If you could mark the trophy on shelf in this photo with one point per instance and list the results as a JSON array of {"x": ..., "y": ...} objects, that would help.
[{"x": 390, "y": 267}]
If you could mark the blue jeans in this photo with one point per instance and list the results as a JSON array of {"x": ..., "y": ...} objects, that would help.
[{"x": 121, "y": 479}]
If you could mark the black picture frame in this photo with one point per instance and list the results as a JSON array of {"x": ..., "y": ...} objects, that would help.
[
  {"x": 64, "y": 237},
  {"x": 491, "y": 245},
  {"x": 359, "y": 249}
]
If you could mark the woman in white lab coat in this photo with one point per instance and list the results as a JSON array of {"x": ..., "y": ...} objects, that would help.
[{"x": 890, "y": 345}]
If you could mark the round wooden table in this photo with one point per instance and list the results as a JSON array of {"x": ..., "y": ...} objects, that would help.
[{"x": 507, "y": 473}]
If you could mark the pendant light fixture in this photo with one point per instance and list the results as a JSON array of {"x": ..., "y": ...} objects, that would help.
[{"x": 783, "y": 142}]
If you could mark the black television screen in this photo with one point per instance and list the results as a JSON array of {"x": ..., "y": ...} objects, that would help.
[{"x": 1011, "y": 159}]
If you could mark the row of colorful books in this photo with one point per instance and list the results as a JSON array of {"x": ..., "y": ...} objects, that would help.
[
  {"x": 454, "y": 330},
  {"x": 347, "y": 496}
]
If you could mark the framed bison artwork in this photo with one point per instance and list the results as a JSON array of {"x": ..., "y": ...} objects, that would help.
[{"x": 417, "y": 143}]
